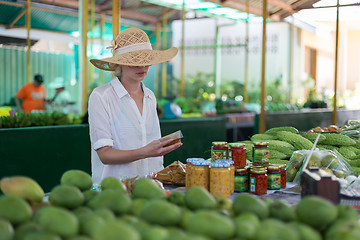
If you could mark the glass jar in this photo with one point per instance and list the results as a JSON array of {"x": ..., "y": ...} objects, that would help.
[
  {"x": 261, "y": 154},
  {"x": 258, "y": 180},
  {"x": 241, "y": 182},
  {"x": 220, "y": 179},
  {"x": 188, "y": 173},
  {"x": 200, "y": 174},
  {"x": 283, "y": 175},
  {"x": 219, "y": 151},
  {"x": 237, "y": 153},
  {"x": 273, "y": 177},
  {"x": 232, "y": 170}
]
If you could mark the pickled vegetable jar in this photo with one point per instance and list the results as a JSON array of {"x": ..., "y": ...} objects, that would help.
[
  {"x": 273, "y": 177},
  {"x": 258, "y": 180},
  {"x": 241, "y": 183},
  {"x": 283, "y": 175},
  {"x": 200, "y": 174},
  {"x": 237, "y": 153},
  {"x": 188, "y": 173},
  {"x": 219, "y": 151},
  {"x": 220, "y": 179},
  {"x": 261, "y": 154}
]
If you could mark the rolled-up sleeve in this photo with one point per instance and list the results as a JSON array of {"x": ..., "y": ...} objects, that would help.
[{"x": 99, "y": 122}]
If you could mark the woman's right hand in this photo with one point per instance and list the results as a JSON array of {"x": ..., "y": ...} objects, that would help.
[{"x": 157, "y": 148}]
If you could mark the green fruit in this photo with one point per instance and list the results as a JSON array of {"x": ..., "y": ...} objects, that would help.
[
  {"x": 186, "y": 214},
  {"x": 15, "y": 209},
  {"x": 106, "y": 214},
  {"x": 346, "y": 212},
  {"x": 211, "y": 224},
  {"x": 136, "y": 206},
  {"x": 26, "y": 228},
  {"x": 90, "y": 224},
  {"x": 316, "y": 212},
  {"x": 66, "y": 196},
  {"x": 329, "y": 161},
  {"x": 273, "y": 229},
  {"x": 58, "y": 221},
  {"x": 161, "y": 212},
  {"x": 129, "y": 219},
  {"x": 116, "y": 201},
  {"x": 244, "y": 203},
  {"x": 282, "y": 211},
  {"x": 6, "y": 230},
  {"x": 339, "y": 173},
  {"x": 148, "y": 189},
  {"x": 343, "y": 230},
  {"x": 155, "y": 233},
  {"x": 79, "y": 238},
  {"x": 328, "y": 170},
  {"x": 177, "y": 198},
  {"x": 77, "y": 178},
  {"x": 89, "y": 194},
  {"x": 113, "y": 183},
  {"x": 290, "y": 173},
  {"x": 314, "y": 161},
  {"x": 305, "y": 232},
  {"x": 116, "y": 230},
  {"x": 297, "y": 160},
  {"x": 81, "y": 212},
  {"x": 223, "y": 203},
  {"x": 246, "y": 225},
  {"x": 41, "y": 236},
  {"x": 199, "y": 198},
  {"x": 23, "y": 187}
]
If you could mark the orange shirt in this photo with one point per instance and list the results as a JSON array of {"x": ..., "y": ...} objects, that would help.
[{"x": 33, "y": 97}]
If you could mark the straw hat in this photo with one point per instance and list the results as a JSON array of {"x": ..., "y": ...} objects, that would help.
[{"x": 132, "y": 47}]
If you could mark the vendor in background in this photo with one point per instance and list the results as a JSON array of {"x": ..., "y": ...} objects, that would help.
[
  {"x": 62, "y": 98},
  {"x": 124, "y": 125},
  {"x": 32, "y": 96}
]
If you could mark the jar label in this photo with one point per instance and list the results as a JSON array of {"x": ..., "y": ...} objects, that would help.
[
  {"x": 241, "y": 183},
  {"x": 252, "y": 184},
  {"x": 261, "y": 155},
  {"x": 274, "y": 181},
  {"x": 230, "y": 155},
  {"x": 218, "y": 155}
]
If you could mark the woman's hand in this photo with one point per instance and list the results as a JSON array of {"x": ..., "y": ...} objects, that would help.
[{"x": 157, "y": 148}]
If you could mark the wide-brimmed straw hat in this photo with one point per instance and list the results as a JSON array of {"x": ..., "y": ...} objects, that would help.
[{"x": 132, "y": 47}]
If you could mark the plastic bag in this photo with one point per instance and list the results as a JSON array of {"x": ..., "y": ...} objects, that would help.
[
  {"x": 175, "y": 174},
  {"x": 175, "y": 136},
  {"x": 324, "y": 159}
]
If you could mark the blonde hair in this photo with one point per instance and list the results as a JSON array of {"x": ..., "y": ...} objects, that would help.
[{"x": 118, "y": 70}]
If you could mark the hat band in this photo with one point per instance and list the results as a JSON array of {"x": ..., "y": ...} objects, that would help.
[{"x": 133, "y": 47}]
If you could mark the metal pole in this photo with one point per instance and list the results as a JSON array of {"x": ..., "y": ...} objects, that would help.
[
  {"x": 28, "y": 41},
  {"x": 115, "y": 18},
  {"x": 102, "y": 22},
  {"x": 263, "y": 55},
  {"x": 84, "y": 31},
  {"x": 246, "y": 95},
  {"x": 291, "y": 53},
  {"x": 182, "y": 77},
  {"x": 163, "y": 78},
  {"x": 336, "y": 63},
  {"x": 217, "y": 63},
  {"x": 158, "y": 46},
  {"x": 92, "y": 24}
]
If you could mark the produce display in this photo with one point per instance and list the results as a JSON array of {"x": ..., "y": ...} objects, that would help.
[{"x": 74, "y": 210}]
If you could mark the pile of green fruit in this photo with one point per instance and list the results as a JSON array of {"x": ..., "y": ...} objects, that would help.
[
  {"x": 39, "y": 119},
  {"x": 74, "y": 211}
]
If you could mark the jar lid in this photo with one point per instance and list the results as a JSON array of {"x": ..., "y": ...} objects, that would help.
[
  {"x": 220, "y": 164},
  {"x": 258, "y": 170},
  {"x": 240, "y": 169},
  {"x": 201, "y": 163},
  {"x": 261, "y": 143},
  {"x": 219, "y": 143},
  {"x": 237, "y": 145},
  {"x": 193, "y": 159},
  {"x": 273, "y": 167}
]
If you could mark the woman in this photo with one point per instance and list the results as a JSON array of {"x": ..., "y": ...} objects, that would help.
[{"x": 124, "y": 126}]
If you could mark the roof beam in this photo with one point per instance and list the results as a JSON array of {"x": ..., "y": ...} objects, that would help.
[
  {"x": 11, "y": 25},
  {"x": 281, "y": 4},
  {"x": 242, "y": 7}
]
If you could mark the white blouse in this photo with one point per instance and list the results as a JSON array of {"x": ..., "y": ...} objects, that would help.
[{"x": 115, "y": 120}]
